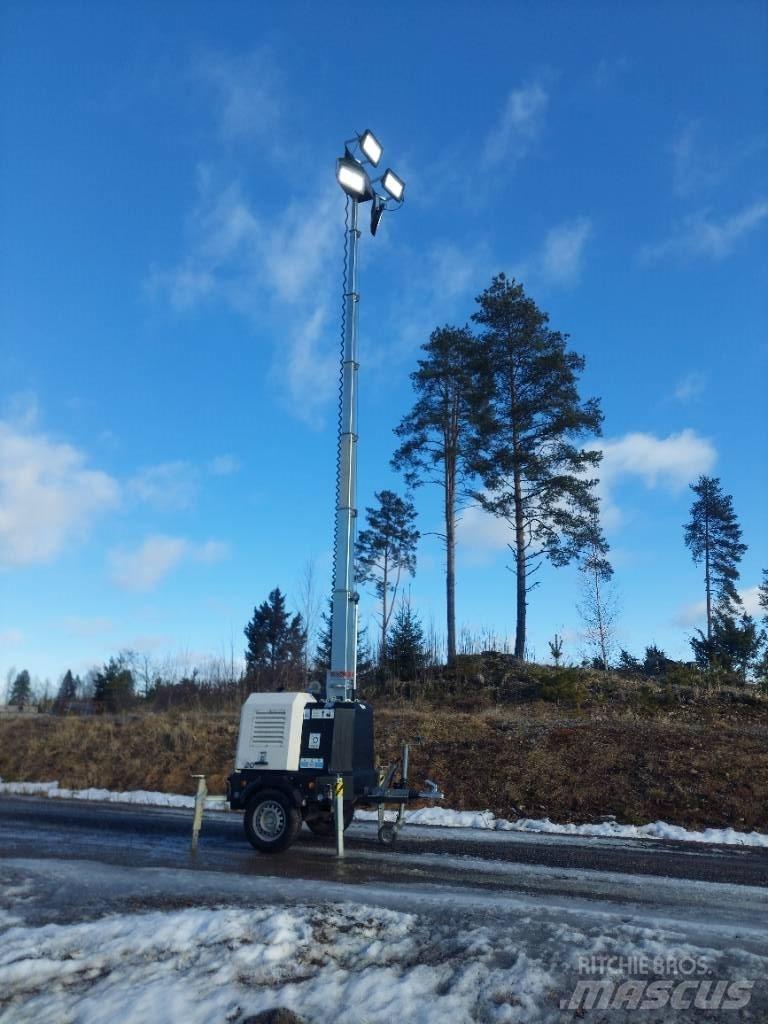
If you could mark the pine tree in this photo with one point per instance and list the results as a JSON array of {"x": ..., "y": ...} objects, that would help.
[
  {"x": 713, "y": 536},
  {"x": 67, "y": 692},
  {"x": 436, "y": 438},
  {"x": 628, "y": 663},
  {"x": 275, "y": 638},
  {"x": 535, "y": 474},
  {"x": 556, "y": 649},
  {"x": 406, "y": 653},
  {"x": 21, "y": 690},
  {"x": 385, "y": 550}
]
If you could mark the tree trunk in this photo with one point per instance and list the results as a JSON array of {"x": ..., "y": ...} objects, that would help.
[
  {"x": 383, "y": 648},
  {"x": 708, "y": 586},
  {"x": 519, "y": 569},
  {"x": 450, "y": 567}
]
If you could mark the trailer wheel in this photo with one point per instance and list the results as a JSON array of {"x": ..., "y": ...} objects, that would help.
[
  {"x": 325, "y": 825},
  {"x": 387, "y": 835},
  {"x": 271, "y": 821}
]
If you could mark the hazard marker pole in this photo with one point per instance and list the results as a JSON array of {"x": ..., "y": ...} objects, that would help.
[
  {"x": 338, "y": 813},
  {"x": 197, "y": 821}
]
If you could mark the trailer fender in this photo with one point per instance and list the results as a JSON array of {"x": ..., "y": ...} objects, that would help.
[{"x": 293, "y": 793}]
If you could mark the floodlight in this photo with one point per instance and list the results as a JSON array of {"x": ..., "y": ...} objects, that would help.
[
  {"x": 352, "y": 178},
  {"x": 395, "y": 186},
  {"x": 377, "y": 211},
  {"x": 371, "y": 147}
]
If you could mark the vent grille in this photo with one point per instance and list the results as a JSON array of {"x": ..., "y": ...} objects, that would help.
[{"x": 268, "y": 728}]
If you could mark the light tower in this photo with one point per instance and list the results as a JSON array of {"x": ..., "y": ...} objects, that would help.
[{"x": 352, "y": 175}]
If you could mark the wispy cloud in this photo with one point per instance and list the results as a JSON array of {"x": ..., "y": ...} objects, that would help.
[
  {"x": 246, "y": 94},
  {"x": 520, "y": 124},
  {"x": 49, "y": 496},
  {"x": 699, "y": 165},
  {"x": 701, "y": 235},
  {"x": 223, "y": 465},
  {"x": 268, "y": 269},
  {"x": 690, "y": 386},
  {"x": 144, "y": 567},
  {"x": 562, "y": 256},
  {"x": 169, "y": 486},
  {"x": 10, "y": 638}
]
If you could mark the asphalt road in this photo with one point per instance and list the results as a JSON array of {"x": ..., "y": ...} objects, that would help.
[{"x": 159, "y": 837}]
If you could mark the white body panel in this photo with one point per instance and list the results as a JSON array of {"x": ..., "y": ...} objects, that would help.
[{"x": 270, "y": 731}]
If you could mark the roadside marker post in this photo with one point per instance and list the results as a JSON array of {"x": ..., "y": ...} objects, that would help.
[
  {"x": 197, "y": 821},
  {"x": 338, "y": 813}
]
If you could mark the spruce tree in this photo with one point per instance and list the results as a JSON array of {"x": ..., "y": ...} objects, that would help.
[
  {"x": 114, "y": 686},
  {"x": 322, "y": 659},
  {"x": 733, "y": 644},
  {"x": 67, "y": 692},
  {"x": 535, "y": 473},
  {"x": 21, "y": 690},
  {"x": 406, "y": 653},
  {"x": 713, "y": 536},
  {"x": 385, "y": 550},
  {"x": 436, "y": 438},
  {"x": 275, "y": 638}
]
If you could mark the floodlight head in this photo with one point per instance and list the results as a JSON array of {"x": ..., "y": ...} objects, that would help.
[
  {"x": 393, "y": 185},
  {"x": 371, "y": 147},
  {"x": 377, "y": 212},
  {"x": 352, "y": 177}
]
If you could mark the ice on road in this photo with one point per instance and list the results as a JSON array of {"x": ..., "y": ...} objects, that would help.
[{"x": 175, "y": 948}]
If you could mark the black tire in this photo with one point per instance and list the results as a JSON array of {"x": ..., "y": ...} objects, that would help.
[
  {"x": 272, "y": 821},
  {"x": 323, "y": 824}
]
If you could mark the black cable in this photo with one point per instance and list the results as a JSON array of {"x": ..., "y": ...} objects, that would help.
[{"x": 344, "y": 277}]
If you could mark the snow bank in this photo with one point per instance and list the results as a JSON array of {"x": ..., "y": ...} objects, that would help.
[
  {"x": 447, "y": 818},
  {"x": 442, "y": 816},
  {"x": 332, "y": 963},
  {"x": 134, "y": 796}
]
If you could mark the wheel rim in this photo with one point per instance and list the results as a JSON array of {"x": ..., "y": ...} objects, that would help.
[{"x": 269, "y": 821}]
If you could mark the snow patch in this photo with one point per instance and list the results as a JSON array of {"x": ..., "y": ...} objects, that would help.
[
  {"x": 447, "y": 818},
  {"x": 147, "y": 798},
  {"x": 441, "y": 816}
]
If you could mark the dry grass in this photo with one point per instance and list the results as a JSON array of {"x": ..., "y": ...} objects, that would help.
[{"x": 707, "y": 765}]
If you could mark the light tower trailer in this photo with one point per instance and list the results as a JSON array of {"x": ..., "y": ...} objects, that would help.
[{"x": 291, "y": 749}]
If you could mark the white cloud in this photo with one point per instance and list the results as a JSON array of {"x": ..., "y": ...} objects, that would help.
[
  {"x": 702, "y": 236},
  {"x": 246, "y": 91},
  {"x": 48, "y": 495},
  {"x": 519, "y": 126},
  {"x": 223, "y": 465},
  {"x": 691, "y": 385},
  {"x": 670, "y": 462},
  {"x": 144, "y": 567},
  {"x": 750, "y": 598},
  {"x": 482, "y": 533},
  {"x": 695, "y": 614},
  {"x": 562, "y": 255},
  {"x": 168, "y": 486}
]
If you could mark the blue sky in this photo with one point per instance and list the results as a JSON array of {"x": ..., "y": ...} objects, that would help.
[{"x": 170, "y": 294}]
